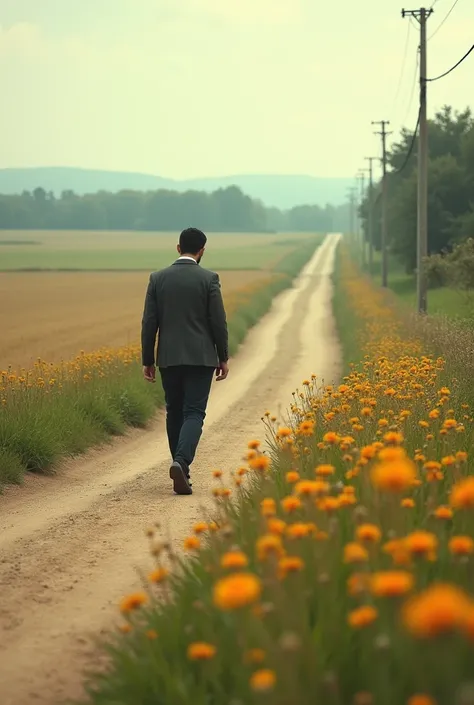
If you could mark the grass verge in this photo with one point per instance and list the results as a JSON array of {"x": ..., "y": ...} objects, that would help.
[
  {"x": 442, "y": 301},
  {"x": 52, "y": 412},
  {"x": 341, "y": 571}
]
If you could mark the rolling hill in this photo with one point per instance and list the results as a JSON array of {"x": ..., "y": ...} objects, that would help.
[{"x": 282, "y": 191}]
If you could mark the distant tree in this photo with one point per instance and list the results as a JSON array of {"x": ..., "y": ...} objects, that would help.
[
  {"x": 450, "y": 187},
  {"x": 227, "y": 209}
]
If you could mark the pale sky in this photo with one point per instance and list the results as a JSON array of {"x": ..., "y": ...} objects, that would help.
[{"x": 190, "y": 88}]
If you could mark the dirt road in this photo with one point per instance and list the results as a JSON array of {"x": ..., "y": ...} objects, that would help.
[{"x": 70, "y": 545}]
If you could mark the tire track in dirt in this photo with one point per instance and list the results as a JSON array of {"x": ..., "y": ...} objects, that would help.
[{"x": 71, "y": 545}]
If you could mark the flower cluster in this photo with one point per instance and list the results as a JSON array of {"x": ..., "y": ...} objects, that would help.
[
  {"x": 51, "y": 378},
  {"x": 338, "y": 566}
]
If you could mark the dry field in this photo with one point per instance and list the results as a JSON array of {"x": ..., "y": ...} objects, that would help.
[
  {"x": 58, "y": 250},
  {"x": 55, "y": 315}
]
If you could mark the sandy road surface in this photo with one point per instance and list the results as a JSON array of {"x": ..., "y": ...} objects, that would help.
[{"x": 70, "y": 545}]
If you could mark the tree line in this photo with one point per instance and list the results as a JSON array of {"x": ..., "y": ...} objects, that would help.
[
  {"x": 450, "y": 188},
  {"x": 224, "y": 210}
]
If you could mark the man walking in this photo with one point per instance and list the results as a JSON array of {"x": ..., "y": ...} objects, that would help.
[{"x": 184, "y": 306}]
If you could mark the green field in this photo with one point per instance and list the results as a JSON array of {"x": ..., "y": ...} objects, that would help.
[
  {"x": 43, "y": 250},
  {"x": 441, "y": 301}
]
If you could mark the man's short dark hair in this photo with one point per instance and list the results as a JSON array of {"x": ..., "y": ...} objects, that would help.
[{"x": 191, "y": 241}]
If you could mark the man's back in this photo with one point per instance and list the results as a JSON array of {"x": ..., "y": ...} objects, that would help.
[
  {"x": 184, "y": 305},
  {"x": 184, "y": 302}
]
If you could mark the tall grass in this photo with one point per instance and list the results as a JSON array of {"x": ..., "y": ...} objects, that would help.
[
  {"x": 54, "y": 411},
  {"x": 342, "y": 571}
]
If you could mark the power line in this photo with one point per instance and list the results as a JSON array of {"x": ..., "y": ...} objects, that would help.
[
  {"x": 412, "y": 144},
  {"x": 383, "y": 133},
  {"x": 453, "y": 67},
  {"x": 402, "y": 71},
  {"x": 442, "y": 23},
  {"x": 412, "y": 93},
  {"x": 422, "y": 15}
]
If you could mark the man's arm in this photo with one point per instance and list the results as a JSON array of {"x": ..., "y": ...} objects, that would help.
[
  {"x": 217, "y": 319},
  {"x": 150, "y": 324}
]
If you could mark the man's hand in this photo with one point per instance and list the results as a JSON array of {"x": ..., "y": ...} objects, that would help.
[
  {"x": 222, "y": 371},
  {"x": 149, "y": 373}
]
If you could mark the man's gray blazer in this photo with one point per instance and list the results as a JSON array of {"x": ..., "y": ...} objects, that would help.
[{"x": 184, "y": 306}]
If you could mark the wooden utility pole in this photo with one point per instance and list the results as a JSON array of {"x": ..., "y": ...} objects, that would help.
[
  {"x": 356, "y": 219},
  {"x": 370, "y": 218},
  {"x": 383, "y": 133},
  {"x": 361, "y": 177},
  {"x": 351, "y": 194},
  {"x": 422, "y": 218}
]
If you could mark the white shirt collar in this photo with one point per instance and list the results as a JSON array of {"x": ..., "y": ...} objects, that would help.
[{"x": 186, "y": 257}]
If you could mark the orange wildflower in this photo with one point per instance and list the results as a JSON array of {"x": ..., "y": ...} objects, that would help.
[
  {"x": 307, "y": 488},
  {"x": 462, "y": 494},
  {"x": 276, "y": 526},
  {"x": 329, "y": 504},
  {"x": 290, "y": 504},
  {"x": 234, "y": 559},
  {"x": 284, "y": 432},
  {"x": 432, "y": 465},
  {"x": 158, "y": 575},
  {"x": 362, "y": 616},
  {"x": 443, "y": 512},
  {"x": 393, "y": 438},
  {"x": 268, "y": 544},
  {"x": 260, "y": 462},
  {"x": 300, "y": 530},
  {"x": 391, "y": 453},
  {"x": 355, "y": 553},
  {"x": 421, "y": 699},
  {"x": 369, "y": 533},
  {"x": 201, "y": 651},
  {"x": 263, "y": 680},
  {"x": 325, "y": 470},
  {"x": 368, "y": 452},
  {"x": 461, "y": 545},
  {"x": 133, "y": 602},
  {"x": 289, "y": 564},
  {"x": 421, "y": 543},
  {"x": 236, "y": 591},
  {"x": 439, "y": 609},
  {"x": 394, "y": 476},
  {"x": 391, "y": 583},
  {"x": 268, "y": 507},
  {"x": 292, "y": 476},
  {"x": 306, "y": 428},
  {"x": 192, "y": 543}
]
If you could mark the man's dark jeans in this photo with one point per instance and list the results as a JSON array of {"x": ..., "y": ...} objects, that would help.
[{"x": 187, "y": 391}]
